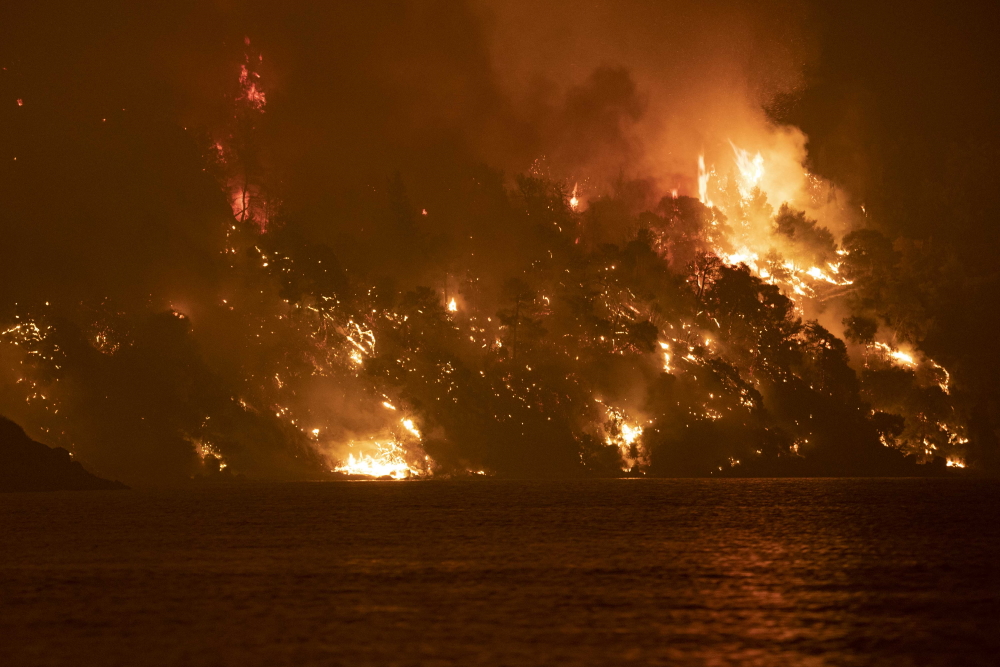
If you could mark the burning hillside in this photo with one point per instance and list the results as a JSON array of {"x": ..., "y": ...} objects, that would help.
[{"x": 735, "y": 315}]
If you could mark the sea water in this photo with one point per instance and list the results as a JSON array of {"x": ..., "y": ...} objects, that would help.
[{"x": 486, "y": 572}]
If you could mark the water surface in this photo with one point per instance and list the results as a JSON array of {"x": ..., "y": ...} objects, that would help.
[{"x": 614, "y": 572}]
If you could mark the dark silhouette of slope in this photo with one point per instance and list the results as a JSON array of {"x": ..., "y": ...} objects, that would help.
[{"x": 26, "y": 465}]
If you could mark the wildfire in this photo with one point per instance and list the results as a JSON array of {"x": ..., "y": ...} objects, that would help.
[
  {"x": 338, "y": 332},
  {"x": 754, "y": 241},
  {"x": 624, "y": 435},
  {"x": 409, "y": 426},
  {"x": 207, "y": 451},
  {"x": 898, "y": 357},
  {"x": 666, "y": 356},
  {"x": 751, "y": 169},
  {"x": 703, "y": 177},
  {"x": 253, "y": 95},
  {"x": 382, "y": 459},
  {"x": 361, "y": 338}
]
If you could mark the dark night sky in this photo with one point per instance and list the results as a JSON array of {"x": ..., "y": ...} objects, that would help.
[{"x": 902, "y": 109}]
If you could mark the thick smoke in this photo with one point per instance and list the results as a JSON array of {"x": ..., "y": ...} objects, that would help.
[{"x": 256, "y": 239}]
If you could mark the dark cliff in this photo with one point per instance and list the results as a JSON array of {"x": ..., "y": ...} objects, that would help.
[{"x": 26, "y": 465}]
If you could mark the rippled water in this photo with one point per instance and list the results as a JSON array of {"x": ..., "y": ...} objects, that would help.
[{"x": 671, "y": 572}]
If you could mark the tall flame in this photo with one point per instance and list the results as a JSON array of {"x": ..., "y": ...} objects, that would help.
[{"x": 703, "y": 178}]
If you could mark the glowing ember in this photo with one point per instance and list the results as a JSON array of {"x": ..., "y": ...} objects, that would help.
[
  {"x": 452, "y": 306},
  {"x": 208, "y": 452}
]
